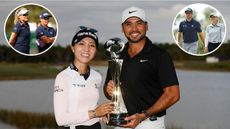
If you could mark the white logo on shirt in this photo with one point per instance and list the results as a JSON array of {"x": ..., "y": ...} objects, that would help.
[{"x": 144, "y": 61}]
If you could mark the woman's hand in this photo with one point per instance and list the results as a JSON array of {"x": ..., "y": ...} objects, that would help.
[
  {"x": 12, "y": 38},
  {"x": 104, "y": 109}
]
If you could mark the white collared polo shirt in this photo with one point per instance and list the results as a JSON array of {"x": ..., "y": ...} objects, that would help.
[
  {"x": 74, "y": 97},
  {"x": 214, "y": 34}
]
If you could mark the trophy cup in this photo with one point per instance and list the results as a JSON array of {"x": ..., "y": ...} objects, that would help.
[{"x": 115, "y": 46}]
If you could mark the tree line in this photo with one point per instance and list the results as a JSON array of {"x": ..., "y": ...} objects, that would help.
[{"x": 60, "y": 54}]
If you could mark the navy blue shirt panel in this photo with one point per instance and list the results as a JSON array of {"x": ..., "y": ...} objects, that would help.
[
  {"x": 190, "y": 30},
  {"x": 22, "y": 42},
  {"x": 49, "y": 32},
  {"x": 43, "y": 31}
]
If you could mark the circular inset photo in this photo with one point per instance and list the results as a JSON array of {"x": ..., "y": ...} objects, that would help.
[
  {"x": 31, "y": 29},
  {"x": 199, "y": 29}
]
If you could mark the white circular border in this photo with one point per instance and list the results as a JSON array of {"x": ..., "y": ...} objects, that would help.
[
  {"x": 202, "y": 31},
  {"x": 35, "y": 5}
]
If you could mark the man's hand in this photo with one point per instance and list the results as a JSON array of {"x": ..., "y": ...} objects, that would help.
[
  {"x": 180, "y": 44},
  {"x": 179, "y": 39},
  {"x": 202, "y": 39},
  {"x": 205, "y": 50},
  {"x": 134, "y": 120},
  {"x": 109, "y": 88}
]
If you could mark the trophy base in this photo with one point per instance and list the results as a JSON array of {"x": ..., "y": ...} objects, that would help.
[{"x": 117, "y": 119}]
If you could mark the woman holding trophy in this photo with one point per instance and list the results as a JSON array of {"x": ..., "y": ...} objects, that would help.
[{"x": 76, "y": 90}]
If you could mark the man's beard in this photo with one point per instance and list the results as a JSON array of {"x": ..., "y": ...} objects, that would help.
[{"x": 136, "y": 41}]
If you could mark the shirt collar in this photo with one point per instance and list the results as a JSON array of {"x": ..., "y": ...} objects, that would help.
[
  {"x": 215, "y": 25},
  {"x": 86, "y": 75},
  {"x": 147, "y": 47},
  {"x": 44, "y": 27},
  {"x": 20, "y": 23},
  {"x": 189, "y": 21}
]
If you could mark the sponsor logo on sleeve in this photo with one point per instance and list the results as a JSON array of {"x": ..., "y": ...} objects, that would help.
[
  {"x": 96, "y": 86},
  {"x": 58, "y": 89}
]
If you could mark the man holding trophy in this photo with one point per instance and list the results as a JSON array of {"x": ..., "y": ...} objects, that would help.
[{"x": 142, "y": 77}]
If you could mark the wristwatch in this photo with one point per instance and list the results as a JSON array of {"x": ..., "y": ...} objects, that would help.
[
  {"x": 145, "y": 113},
  {"x": 94, "y": 113}
]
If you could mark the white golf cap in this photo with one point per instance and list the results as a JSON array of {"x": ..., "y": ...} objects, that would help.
[
  {"x": 213, "y": 14},
  {"x": 23, "y": 11},
  {"x": 133, "y": 12}
]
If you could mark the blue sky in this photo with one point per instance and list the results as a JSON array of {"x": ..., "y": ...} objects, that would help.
[{"x": 105, "y": 16}]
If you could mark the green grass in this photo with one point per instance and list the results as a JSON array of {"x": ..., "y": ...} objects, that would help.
[
  {"x": 203, "y": 66},
  {"x": 32, "y": 120},
  {"x": 28, "y": 120},
  {"x": 21, "y": 71}
]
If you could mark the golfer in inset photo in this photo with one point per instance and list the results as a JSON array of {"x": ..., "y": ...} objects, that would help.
[
  {"x": 189, "y": 28},
  {"x": 214, "y": 33},
  {"x": 20, "y": 36},
  {"x": 45, "y": 35}
]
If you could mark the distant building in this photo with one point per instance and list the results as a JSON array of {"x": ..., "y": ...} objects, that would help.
[{"x": 212, "y": 59}]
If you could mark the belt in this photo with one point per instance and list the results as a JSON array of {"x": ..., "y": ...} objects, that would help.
[
  {"x": 152, "y": 118},
  {"x": 214, "y": 42},
  {"x": 97, "y": 125}
]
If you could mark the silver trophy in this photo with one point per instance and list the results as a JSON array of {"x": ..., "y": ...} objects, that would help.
[{"x": 115, "y": 46}]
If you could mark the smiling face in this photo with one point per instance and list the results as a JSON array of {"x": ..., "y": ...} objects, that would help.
[
  {"x": 214, "y": 20},
  {"x": 84, "y": 51},
  {"x": 134, "y": 29},
  {"x": 23, "y": 18},
  {"x": 188, "y": 16},
  {"x": 44, "y": 21}
]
